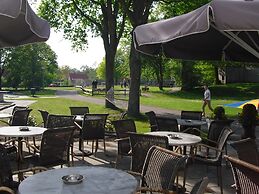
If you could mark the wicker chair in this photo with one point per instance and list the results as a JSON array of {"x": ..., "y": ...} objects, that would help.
[
  {"x": 246, "y": 176},
  {"x": 7, "y": 183},
  {"x": 54, "y": 148},
  {"x": 93, "y": 128},
  {"x": 160, "y": 170},
  {"x": 15, "y": 108},
  {"x": 80, "y": 110},
  {"x": 44, "y": 115},
  {"x": 55, "y": 121},
  {"x": 214, "y": 132},
  {"x": 208, "y": 159},
  {"x": 159, "y": 123},
  {"x": 247, "y": 150},
  {"x": 140, "y": 144},
  {"x": 20, "y": 117},
  {"x": 122, "y": 127},
  {"x": 193, "y": 115}
]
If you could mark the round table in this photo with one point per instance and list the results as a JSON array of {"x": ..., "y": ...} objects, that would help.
[
  {"x": 5, "y": 116},
  {"x": 184, "y": 139},
  {"x": 97, "y": 180},
  {"x": 14, "y": 132}
]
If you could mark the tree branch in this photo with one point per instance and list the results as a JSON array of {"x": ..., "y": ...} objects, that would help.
[{"x": 98, "y": 25}]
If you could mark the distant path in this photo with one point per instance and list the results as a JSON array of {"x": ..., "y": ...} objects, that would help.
[{"x": 71, "y": 94}]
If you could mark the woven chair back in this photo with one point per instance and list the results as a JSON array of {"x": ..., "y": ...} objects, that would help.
[
  {"x": 44, "y": 116},
  {"x": 55, "y": 121},
  {"x": 78, "y": 110},
  {"x": 20, "y": 117},
  {"x": 122, "y": 127},
  {"x": 160, "y": 168},
  {"x": 246, "y": 176},
  {"x": 216, "y": 128},
  {"x": 54, "y": 149},
  {"x": 140, "y": 144}
]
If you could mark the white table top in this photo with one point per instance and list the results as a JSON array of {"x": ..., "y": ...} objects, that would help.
[
  {"x": 5, "y": 116},
  {"x": 97, "y": 180},
  {"x": 14, "y": 131},
  {"x": 183, "y": 140},
  {"x": 188, "y": 122},
  {"x": 81, "y": 118}
]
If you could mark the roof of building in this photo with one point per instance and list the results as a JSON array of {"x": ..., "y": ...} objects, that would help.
[{"x": 81, "y": 76}]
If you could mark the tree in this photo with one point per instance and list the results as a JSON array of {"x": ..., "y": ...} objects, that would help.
[
  {"x": 137, "y": 12},
  {"x": 89, "y": 71},
  {"x": 3, "y": 57},
  {"x": 30, "y": 66},
  {"x": 101, "y": 17}
]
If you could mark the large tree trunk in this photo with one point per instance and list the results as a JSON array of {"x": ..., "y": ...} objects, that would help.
[
  {"x": 135, "y": 72},
  {"x": 109, "y": 72}
]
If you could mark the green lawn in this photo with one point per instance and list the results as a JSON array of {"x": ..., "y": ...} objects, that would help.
[
  {"x": 168, "y": 98},
  {"x": 61, "y": 106}
]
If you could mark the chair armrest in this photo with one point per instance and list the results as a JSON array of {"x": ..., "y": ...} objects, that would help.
[
  {"x": 134, "y": 173},
  {"x": 77, "y": 125},
  {"x": 33, "y": 169},
  {"x": 121, "y": 139},
  {"x": 209, "y": 147},
  {"x": 145, "y": 189},
  {"x": 7, "y": 189}
]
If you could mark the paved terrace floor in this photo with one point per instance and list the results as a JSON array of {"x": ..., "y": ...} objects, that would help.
[{"x": 195, "y": 171}]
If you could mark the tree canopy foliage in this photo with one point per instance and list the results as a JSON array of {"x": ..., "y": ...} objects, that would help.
[{"x": 29, "y": 66}]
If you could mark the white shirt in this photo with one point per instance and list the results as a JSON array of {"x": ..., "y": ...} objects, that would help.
[{"x": 207, "y": 95}]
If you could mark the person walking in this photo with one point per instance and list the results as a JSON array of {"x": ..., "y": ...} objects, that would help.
[{"x": 206, "y": 100}]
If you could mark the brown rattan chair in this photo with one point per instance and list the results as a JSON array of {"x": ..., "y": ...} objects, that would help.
[
  {"x": 55, "y": 121},
  {"x": 78, "y": 110},
  {"x": 192, "y": 115},
  {"x": 93, "y": 128},
  {"x": 122, "y": 127},
  {"x": 160, "y": 170},
  {"x": 44, "y": 115},
  {"x": 246, "y": 176},
  {"x": 54, "y": 148},
  {"x": 20, "y": 117},
  {"x": 7, "y": 183},
  {"x": 15, "y": 108},
  {"x": 140, "y": 144},
  {"x": 214, "y": 159},
  {"x": 215, "y": 129},
  {"x": 160, "y": 123},
  {"x": 247, "y": 150}
]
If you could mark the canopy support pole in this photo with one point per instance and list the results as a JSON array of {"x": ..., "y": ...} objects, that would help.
[{"x": 238, "y": 41}]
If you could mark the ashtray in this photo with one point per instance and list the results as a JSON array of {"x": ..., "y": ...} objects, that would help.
[
  {"x": 174, "y": 136},
  {"x": 73, "y": 179},
  {"x": 24, "y": 128},
  {"x": 188, "y": 121}
]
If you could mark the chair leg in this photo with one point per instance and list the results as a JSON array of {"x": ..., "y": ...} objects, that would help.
[
  {"x": 220, "y": 179},
  {"x": 104, "y": 145}
]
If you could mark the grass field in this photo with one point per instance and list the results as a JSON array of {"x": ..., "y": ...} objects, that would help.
[{"x": 168, "y": 98}]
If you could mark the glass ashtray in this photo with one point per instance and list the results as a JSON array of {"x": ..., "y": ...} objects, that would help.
[
  {"x": 174, "y": 136},
  {"x": 73, "y": 179},
  {"x": 24, "y": 128}
]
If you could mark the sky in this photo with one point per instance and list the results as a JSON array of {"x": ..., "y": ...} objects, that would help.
[
  {"x": 91, "y": 57},
  {"x": 66, "y": 56}
]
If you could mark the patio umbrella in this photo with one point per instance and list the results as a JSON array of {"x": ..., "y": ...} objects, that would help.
[
  {"x": 243, "y": 103},
  {"x": 221, "y": 29},
  {"x": 20, "y": 25}
]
